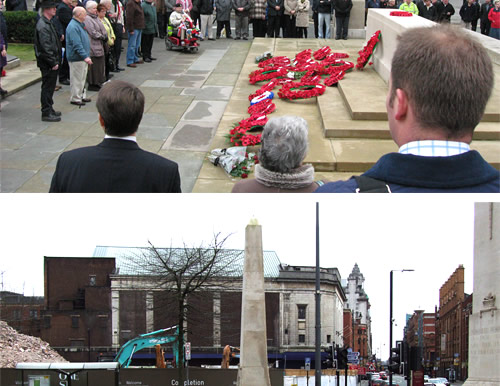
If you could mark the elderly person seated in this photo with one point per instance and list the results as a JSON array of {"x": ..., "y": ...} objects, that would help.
[{"x": 284, "y": 147}]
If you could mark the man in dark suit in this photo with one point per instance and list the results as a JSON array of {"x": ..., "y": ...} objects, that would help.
[
  {"x": 117, "y": 164},
  {"x": 432, "y": 112}
]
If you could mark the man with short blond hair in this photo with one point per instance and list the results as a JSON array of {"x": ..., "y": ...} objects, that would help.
[{"x": 432, "y": 111}]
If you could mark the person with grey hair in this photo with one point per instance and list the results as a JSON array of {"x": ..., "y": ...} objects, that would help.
[
  {"x": 280, "y": 168},
  {"x": 96, "y": 75}
]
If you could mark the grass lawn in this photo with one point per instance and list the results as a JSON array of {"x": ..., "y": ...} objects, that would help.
[{"x": 25, "y": 52}]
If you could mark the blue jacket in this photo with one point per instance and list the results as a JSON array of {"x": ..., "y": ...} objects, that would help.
[
  {"x": 77, "y": 42},
  {"x": 407, "y": 173}
]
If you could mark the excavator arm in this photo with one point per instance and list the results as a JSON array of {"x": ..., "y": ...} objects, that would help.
[{"x": 164, "y": 336}]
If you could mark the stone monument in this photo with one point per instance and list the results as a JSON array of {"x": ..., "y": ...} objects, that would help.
[
  {"x": 253, "y": 369},
  {"x": 484, "y": 325}
]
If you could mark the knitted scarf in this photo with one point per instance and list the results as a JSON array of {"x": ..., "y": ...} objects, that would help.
[{"x": 297, "y": 178}]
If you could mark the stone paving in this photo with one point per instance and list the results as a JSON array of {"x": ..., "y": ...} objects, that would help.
[
  {"x": 186, "y": 95},
  {"x": 192, "y": 100}
]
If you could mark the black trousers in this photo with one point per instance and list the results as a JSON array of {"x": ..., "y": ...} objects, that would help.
[
  {"x": 289, "y": 26},
  {"x": 301, "y": 32},
  {"x": 259, "y": 28},
  {"x": 485, "y": 28},
  {"x": 64, "y": 69},
  {"x": 273, "y": 26},
  {"x": 117, "y": 47},
  {"x": 226, "y": 24},
  {"x": 147, "y": 45},
  {"x": 342, "y": 25},
  {"x": 49, "y": 81}
]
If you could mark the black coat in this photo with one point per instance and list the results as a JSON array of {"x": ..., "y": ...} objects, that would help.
[
  {"x": 3, "y": 28},
  {"x": 325, "y": 6},
  {"x": 271, "y": 11},
  {"x": 430, "y": 14},
  {"x": 442, "y": 16},
  {"x": 469, "y": 13},
  {"x": 47, "y": 44},
  {"x": 114, "y": 166},
  {"x": 483, "y": 13},
  {"x": 204, "y": 7},
  {"x": 342, "y": 7}
]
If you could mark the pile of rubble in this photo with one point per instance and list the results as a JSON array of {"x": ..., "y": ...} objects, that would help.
[{"x": 16, "y": 348}]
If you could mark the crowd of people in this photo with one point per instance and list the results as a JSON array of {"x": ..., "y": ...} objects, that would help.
[{"x": 432, "y": 134}]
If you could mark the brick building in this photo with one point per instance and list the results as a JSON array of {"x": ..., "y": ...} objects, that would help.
[
  {"x": 77, "y": 310},
  {"x": 420, "y": 332},
  {"x": 109, "y": 300},
  {"x": 452, "y": 327},
  {"x": 21, "y": 312}
]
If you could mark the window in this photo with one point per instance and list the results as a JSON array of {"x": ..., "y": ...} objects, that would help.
[
  {"x": 33, "y": 314},
  {"x": 76, "y": 342},
  {"x": 17, "y": 314},
  {"x": 328, "y": 339},
  {"x": 75, "y": 321},
  {"x": 46, "y": 321},
  {"x": 301, "y": 311},
  {"x": 302, "y": 338},
  {"x": 92, "y": 280}
]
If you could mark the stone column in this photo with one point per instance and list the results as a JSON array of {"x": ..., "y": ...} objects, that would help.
[
  {"x": 357, "y": 20},
  {"x": 115, "y": 317},
  {"x": 484, "y": 324},
  {"x": 253, "y": 370}
]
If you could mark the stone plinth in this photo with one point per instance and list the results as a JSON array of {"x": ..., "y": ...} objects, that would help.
[
  {"x": 484, "y": 324},
  {"x": 253, "y": 370},
  {"x": 391, "y": 27},
  {"x": 357, "y": 20}
]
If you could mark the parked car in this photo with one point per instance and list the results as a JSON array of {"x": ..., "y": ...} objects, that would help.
[
  {"x": 439, "y": 381},
  {"x": 378, "y": 382},
  {"x": 383, "y": 375}
]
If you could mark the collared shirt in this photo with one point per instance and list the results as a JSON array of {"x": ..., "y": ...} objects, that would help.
[
  {"x": 434, "y": 148},
  {"x": 127, "y": 138}
]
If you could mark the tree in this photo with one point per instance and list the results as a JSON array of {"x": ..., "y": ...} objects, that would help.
[{"x": 190, "y": 271}]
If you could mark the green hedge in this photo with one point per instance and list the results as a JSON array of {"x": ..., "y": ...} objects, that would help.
[{"x": 21, "y": 26}]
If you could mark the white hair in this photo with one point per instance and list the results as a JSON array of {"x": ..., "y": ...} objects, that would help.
[
  {"x": 284, "y": 143},
  {"x": 90, "y": 4}
]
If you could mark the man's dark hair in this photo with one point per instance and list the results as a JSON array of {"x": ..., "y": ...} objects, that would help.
[
  {"x": 447, "y": 75},
  {"x": 121, "y": 106}
]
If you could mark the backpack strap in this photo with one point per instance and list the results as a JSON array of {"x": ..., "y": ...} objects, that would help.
[{"x": 371, "y": 185}]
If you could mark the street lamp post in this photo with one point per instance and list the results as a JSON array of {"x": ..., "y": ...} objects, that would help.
[{"x": 390, "y": 321}]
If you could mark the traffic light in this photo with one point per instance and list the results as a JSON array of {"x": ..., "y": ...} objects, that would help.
[
  {"x": 341, "y": 358},
  {"x": 396, "y": 357},
  {"x": 328, "y": 362}
]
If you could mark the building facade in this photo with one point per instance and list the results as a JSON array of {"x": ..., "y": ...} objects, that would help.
[
  {"x": 420, "y": 332},
  {"x": 127, "y": 303},
  {"x": 21, "y": 312},
  {"x": 359, "y": 304},
  {"x": 452, "y": 327}
]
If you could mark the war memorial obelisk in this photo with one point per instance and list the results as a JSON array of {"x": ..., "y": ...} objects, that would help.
[{"x": 253, "y": 369}]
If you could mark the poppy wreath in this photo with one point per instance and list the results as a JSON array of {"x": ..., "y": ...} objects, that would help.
[
  {"x": 267, "y": 74},
  {"x": 334, "y": 78},
  {"x": 303, "y": 55},
  {"x": 301, "y": 90},
  {"x": 238, "y": 137},
  {"x": 267, "y": 87},
  {"x": 366, "y": 52},
  {"x": 311, "y": 78},
  {"x": 322, "y": 53},
  {"x": 401, "y": 13},
  {"x": 264, "y": 107},
  {"x": 276, "y": 61},
  {"x": 336, "y": 55},
  {"x": 253, "y": 122},
  {"x": 340, "y": 65},
  {"x": 261, "y": 97}
]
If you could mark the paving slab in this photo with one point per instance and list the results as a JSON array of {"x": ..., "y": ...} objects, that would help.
[
  {"x": 191, "y": 135},
  {"x": 204, "y": 110},
  {"x": 39, "y": 182},
  {"x": 189, "y": 166},
  {"x": 209, "y": 92},
  {"x": 158, "y": 83},
  {"x": 12, "y": 179}
]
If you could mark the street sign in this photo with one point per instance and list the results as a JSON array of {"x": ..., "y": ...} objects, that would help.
[
  {"x": 187, "y": 351},
  {"x": 308, "y": 364}
]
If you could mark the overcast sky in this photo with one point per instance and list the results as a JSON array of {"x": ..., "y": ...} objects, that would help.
[{"x": 430, "y": 234}]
